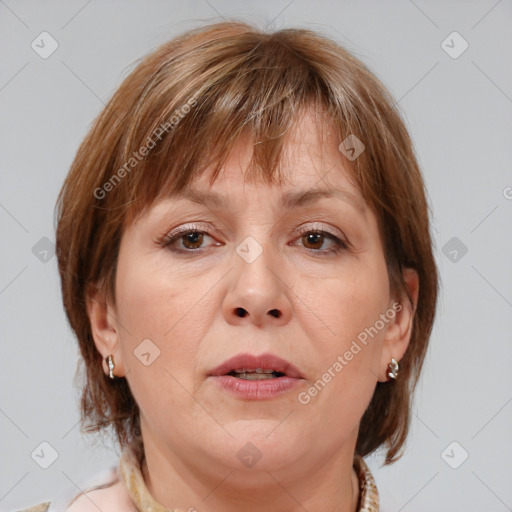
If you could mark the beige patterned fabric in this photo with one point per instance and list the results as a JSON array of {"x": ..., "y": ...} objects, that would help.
[
  {"x": 130, "y": 469},
  {"x": 368, "y": 494},
  {"x": 43, "y": 507}
]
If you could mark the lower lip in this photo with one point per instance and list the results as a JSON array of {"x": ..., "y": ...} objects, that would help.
[{"x": 256, "y": 389}]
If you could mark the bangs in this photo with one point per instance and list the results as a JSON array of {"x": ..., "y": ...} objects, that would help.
[{"x": 191, "y": 120}]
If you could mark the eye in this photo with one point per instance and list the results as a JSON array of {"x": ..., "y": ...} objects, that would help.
[
  {"x": 185, "y": 240},
  {"x": 192, "y": 239},
  {"x": 314, "y": 240}
]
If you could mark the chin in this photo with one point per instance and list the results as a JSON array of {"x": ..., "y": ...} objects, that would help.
[{"x": 262, "y": 444}]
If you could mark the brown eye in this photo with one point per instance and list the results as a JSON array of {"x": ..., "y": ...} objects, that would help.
[
  {"x": 192, "y": 240},
  {"x": 313, "y": 240},
  {"x": 187, "y": 242},
  {"x": 317, "y": 241}
]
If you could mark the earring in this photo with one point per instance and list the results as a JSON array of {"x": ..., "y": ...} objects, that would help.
[
  {"x": 111, "y": 365},
  {"x": 393, "y": 369}
]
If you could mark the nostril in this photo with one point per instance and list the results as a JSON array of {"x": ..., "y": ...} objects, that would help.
[{"x": 241, "y": 312}]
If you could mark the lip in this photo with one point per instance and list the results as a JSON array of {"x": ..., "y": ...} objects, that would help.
[
  {"x": 250, "y": 362},
  {"x": 256, "y": 389}
]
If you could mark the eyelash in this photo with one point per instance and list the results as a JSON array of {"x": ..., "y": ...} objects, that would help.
[{"x": 167, "y": 239}]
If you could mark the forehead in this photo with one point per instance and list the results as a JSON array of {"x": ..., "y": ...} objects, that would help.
[{"x": 311, "y": 167}]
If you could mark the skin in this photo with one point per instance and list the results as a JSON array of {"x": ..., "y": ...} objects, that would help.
[{"x": 186, "y": 305}]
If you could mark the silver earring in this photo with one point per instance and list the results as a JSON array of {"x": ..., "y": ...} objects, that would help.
[
  {"x": 111, "y": 365},
  {"x": 393, "y": 369}
]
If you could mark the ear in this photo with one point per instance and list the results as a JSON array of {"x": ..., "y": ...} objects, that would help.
[
  {"x": 398, "y": 334},
  {"x": 104, "y": 330}
]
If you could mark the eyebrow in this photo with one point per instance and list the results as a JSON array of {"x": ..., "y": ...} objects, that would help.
[{"x": 289, "y": 200}]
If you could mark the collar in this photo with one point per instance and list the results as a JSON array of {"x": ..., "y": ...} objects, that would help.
[{"x": 130, "y": 469}]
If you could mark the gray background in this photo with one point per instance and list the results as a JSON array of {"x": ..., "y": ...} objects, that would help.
[{"x": 459, "y": 111}]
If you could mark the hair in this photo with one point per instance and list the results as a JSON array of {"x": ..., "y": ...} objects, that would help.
[{"x": 181, "y": 110}]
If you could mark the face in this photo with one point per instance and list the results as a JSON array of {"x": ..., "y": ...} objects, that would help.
[{"x": 299, "y": 286}]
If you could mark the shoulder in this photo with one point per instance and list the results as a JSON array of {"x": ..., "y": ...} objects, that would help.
[
  {"x": 42, "y": 507},
  {"x": 112, "y": 497},
  {"x": 105, "y": 491}
]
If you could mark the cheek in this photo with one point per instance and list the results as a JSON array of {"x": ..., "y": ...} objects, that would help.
[
  {"x": 172, "y": 311},
  {"x": 152, "y": 298},
  {"x": 346, "y": 335},
  {"x": 161, "y": 316},
  {"x": 340, "y": 307}
]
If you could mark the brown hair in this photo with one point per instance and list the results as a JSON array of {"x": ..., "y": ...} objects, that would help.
[{"x": 182, "y": 109}]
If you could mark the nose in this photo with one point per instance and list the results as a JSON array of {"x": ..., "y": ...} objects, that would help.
[{"x": 258, "y": 293}]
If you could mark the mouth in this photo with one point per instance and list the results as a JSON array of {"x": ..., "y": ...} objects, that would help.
[
  {"x": 263, "y": 367},
  {"x": 249, "y": 377},
  {"x": 257, "y": 374}
]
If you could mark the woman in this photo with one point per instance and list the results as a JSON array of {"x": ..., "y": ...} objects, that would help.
[{"x": 244, "y": 248}]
